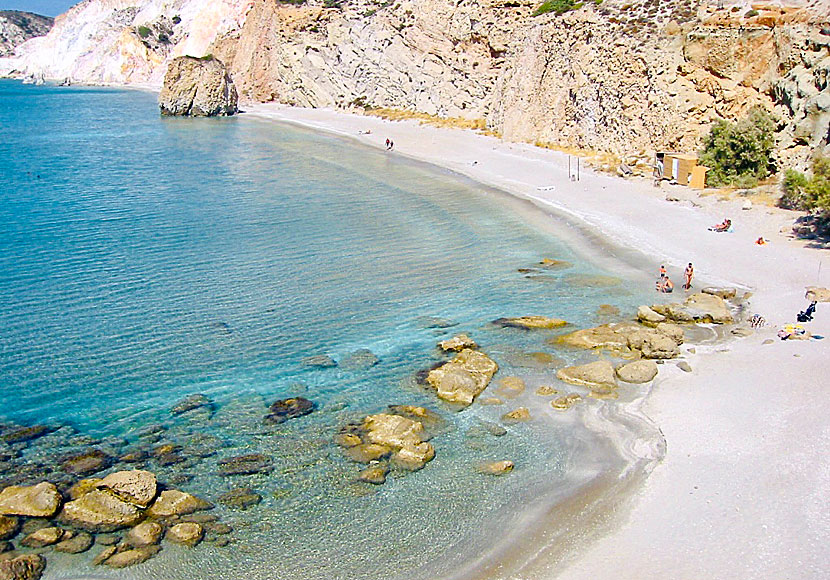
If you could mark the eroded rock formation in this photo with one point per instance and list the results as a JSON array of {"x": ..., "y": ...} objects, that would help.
[{"x": 197, "y": 87}]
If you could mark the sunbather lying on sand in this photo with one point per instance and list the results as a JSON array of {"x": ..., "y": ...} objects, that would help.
[{"x": 722, "y": 227}]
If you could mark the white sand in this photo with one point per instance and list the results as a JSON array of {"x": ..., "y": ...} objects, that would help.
[{"x": 743, "y": 489}]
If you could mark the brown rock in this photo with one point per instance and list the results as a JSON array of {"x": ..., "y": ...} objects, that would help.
[
  {"x": 86, "y": 463},
  {"x": 546, "y": 390},
  {"x": 246, "y": 464},
  {"x": 104, "y": 555},
  {"x": 186, "y": 534},
  {"x": 38, "y": 501},
  {"x": 42, "y": 538},
  {"x": 637, "y": 372},
  {"x": 496, "y": 467},
  {"x": 413, "y": 456},
  {"x": 173, "y": 502},
  {"x": 240, "y": 498},
  {"x": 131, "y": 557},
  {"x": 520, "y": 414},
  {"x": 100, "y": 511},
  {"x": 598, "y": 375},
  {"x": 367, "y": 452},
  {"x": 9, "y": 525},
  {"x": 197, "y": 87},
  {"x": 286, "y": 409},
  {"x": 347, "y": 440},
  {"x": 463, "y": 378},
  {"x": 80, "y": 542},
  {"x": 531, "y": 322},
  {"x": 457, "y": 343},
  {"x": 137, "y": 487},
  {"x": 144, "y": 534},
  {"x": 374, "y": 475},
  {"x": 566, "y": 402},
  {"x": 23, "y": 434},
  {"x": 83, "y": 487},
  {"x": 28, "y": 567}
]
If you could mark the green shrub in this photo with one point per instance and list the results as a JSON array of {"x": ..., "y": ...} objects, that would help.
[
  {"x": 740, "y": 154},
  {"x": 751, "y": 14},
  {"x": 557, "y": 6},
  {"x": 208, "y": 56},
  {"x": 813, "y": 193},
  {"x": 143, "y": 31}
]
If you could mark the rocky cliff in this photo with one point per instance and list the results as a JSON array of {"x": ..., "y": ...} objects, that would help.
[
  {"x": 620, "y": 76},
  {"x": 18, "y": 27}
]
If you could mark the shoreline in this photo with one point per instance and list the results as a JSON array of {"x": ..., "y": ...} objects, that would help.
[{"x": 675, "y": 521}]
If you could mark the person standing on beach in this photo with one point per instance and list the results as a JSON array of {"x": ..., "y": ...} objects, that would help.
[
  {"x": 690, "y": 271},
  {"x": 391, "y": 145},
  {"x": 662, "y": 270},
  {"x": 387, "y": 143}
]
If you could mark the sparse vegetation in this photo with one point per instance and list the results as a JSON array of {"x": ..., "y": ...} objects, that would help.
[
  {"x": 808, "y": 193},
  {"x": 208, "y": 56},
  {"x": 751, "y": 14},
  {"x": 558, "y": 7},
  {"x": 424, "y": 118},
  {"x": 740, "y": 154},
  {"x": 143, "y": 31}
]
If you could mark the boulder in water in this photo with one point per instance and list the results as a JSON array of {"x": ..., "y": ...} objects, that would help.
[
  {"x": 637, "y": 372},
  {"x": 598, "y": 375},
  {"x": 463, "y": 378},
  {"x": 100, "y": 511},
  {"x": 197, "y": 87},
  {"x": 286, "y": 409},
  {"x": 37, "y": 501}
]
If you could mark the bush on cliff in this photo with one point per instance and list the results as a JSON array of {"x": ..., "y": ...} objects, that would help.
[
  {"x": 811, "y": 194},
  {"x": 740, "y": 154},
  {"x": 557, "y": 6}
]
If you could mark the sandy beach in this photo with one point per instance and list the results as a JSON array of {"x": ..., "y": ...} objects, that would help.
[{"x": 741, "y": 490}]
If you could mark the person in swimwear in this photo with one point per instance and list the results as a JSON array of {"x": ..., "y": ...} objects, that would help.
[{"x": 687, "y": 276}]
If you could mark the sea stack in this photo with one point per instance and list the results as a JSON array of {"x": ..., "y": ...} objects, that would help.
[{"x": 197, "y": 87}]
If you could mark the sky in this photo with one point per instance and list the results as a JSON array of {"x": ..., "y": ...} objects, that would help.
[{"x": 44, "y": 7}]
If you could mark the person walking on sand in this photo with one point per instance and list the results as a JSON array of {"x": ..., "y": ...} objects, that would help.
[
  {"x": 391, "y": 145},
  {"x": 387, "y": 143},
  {"x": 687, "y": 276}
]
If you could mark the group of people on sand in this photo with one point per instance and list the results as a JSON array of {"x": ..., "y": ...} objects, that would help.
[{"x": 665, "y": 285}]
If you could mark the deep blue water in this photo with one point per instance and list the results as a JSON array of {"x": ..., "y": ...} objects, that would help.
[{"x": 143, "y": 259}]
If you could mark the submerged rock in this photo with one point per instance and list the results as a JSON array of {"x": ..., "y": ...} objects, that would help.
[
  {"x": 566, "y": 402},
  {"x": 246, "y": 464},
  {"x": 86, "y": 463},
  {"x": 24, "y": 434},
  {"x": 520, "y": 414},
  {"x": 546, "y": 390},
  {"x": 322, "y": 361},
  {"x": 197, "y": 87},
  {"x": 38, "y": 501},
  {"x": 362, "y": 358},
  {"x": 374, "y": 475},
  {"x": 127, "y": 558},
  {"x": 240, "y": 498},
  {"x": 531, "y": 322},
  {"x": 186, "y": 534},
  {"x": 463, "y": 378},
  {"x": 191, "y": 403},
  {"x": 286, "y": 409},
  {"x": 80, "y": 542},
  {"x": 496, "y": 467},
  {"x": 510, "y": 387},
  {"x": 43, "y": 537},
  {"x": 28, "y": 567},
  {"x": 9, "y": 525}
]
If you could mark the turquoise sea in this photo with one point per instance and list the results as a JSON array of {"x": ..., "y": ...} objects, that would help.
[{"x": 144, "y": 259}]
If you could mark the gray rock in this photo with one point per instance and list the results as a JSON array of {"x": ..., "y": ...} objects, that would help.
[
  {"x": 362, "y": 358},
  {"x": 197, "y": 87},
  {"x": 322, "y": 361},
  {"x": 190, "y": 403},
  {"x": 246, "y": 464},
  {"x": 684, "y": 366}
]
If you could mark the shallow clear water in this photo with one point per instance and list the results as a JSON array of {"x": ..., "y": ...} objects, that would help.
[{"x": 144, "y": 259}]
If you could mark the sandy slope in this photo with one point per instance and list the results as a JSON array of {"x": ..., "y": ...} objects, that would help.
[{"x": 742, "y": 490}]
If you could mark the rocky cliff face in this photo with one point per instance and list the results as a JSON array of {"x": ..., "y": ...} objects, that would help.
[
  {"x": 622, "y": 76},
  {"x": 18, "y": 27},
  {"x": 197, "y": 87}
]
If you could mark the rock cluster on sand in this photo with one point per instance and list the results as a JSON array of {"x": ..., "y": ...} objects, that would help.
[
  {"x": 699, "y": 307},
  {"x": 197, "y": 87},
  {"x": 463, "y": 378},
  {"x": 628, "y": 339},
  {"x": 398, "y": 438},
  {"x": 638, "y": 371},
  {"x": 124, "y": 499}
]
